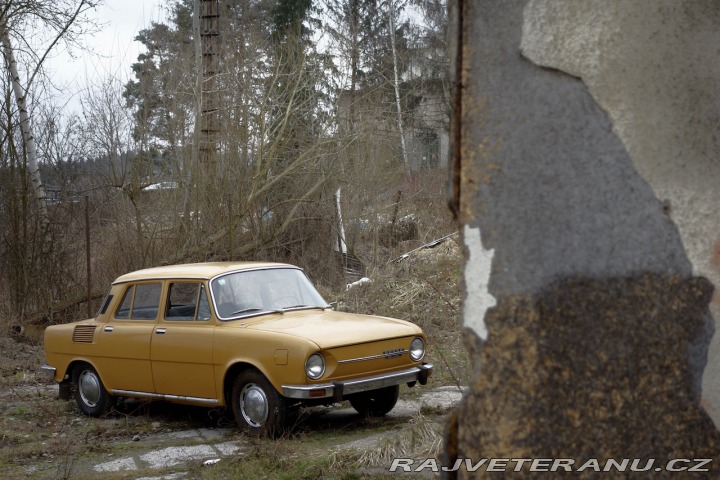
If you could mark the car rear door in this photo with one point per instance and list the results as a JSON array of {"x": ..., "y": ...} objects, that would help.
[{"x": 123, "y": 343}]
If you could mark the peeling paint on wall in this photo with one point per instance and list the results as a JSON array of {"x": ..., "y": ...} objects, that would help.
[
  {"x": 653, "y": 67},
  {"x": 588, "y": 302},
  {"x": 477, "y": 276}
]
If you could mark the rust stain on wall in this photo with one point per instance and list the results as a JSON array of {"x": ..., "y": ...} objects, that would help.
[{"x": 566, "y": 374}]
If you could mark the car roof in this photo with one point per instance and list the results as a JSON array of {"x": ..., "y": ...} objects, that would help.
[{"x": 203, "y": 271}]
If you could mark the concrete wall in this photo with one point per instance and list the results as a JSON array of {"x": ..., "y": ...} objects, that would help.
[
  {"x": 654, "y": 67},
  {"x": 585, "y": 178}
]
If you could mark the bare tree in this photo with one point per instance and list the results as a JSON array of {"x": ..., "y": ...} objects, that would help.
[
  {"x": 122, "y": 169},
  {"x": 58, "y": 18},
  {"x": 25, "y": 126}
]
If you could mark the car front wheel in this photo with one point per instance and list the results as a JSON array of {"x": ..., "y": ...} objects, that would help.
[
  {"x": 258, "y": 408},
  {"x": 375, "y": 403},
  {"x": 90, "y": 393}
]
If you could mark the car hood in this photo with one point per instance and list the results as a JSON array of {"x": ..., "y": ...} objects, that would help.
[{"x": 329, "y": 329}]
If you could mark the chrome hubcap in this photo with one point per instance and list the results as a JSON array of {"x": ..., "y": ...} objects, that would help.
[
  {"x": 254, "y": 405},
  {"x": 89, "y": 388}
]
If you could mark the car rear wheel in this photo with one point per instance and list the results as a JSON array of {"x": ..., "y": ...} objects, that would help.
[
  {"x": 258, "y": 408},
  {"x": 90, "y": 393},
  {"x": 375, "y": 403}
]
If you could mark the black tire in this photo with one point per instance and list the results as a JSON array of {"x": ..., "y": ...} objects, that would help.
[
  {"x": 90, "y": 393},
  {"x": 375, "y": 403},
  {"x": 258, "y": 408}
]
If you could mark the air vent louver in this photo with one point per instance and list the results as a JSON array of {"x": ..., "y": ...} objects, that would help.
[{"x": 83, "y": 334}]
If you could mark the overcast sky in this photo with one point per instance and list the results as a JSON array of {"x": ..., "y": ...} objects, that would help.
[{"x": 115, "y": 46}]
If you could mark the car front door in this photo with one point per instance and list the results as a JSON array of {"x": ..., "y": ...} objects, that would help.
[{"x": 182, "y": 343}]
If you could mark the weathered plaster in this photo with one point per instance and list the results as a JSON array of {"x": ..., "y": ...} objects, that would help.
[
  {"x": 601, "y": 326},
  {"x": 477, "y": 275},
  {"x": 543, "y": 175},
  {"x": 655, "y": 68}
]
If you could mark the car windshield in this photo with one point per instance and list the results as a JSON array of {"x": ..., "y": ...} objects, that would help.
[{"x": 254, "y": 292}]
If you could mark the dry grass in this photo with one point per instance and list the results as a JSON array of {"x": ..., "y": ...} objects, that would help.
[
  {"x": 424, "y": 288},
  {"x": 422, "y": 437}
]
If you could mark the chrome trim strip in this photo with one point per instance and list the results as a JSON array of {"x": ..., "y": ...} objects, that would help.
[
  {"x": 159, "y": 396},
  {"x": 48, "y": 369},
  {"x": 374, "y": 357},
  {"x": 357, "y": 385}
]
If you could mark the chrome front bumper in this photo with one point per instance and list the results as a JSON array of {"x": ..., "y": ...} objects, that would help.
[{"x": 337, "y": 390}]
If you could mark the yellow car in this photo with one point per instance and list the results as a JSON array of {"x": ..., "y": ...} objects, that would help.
[{"x": 256, "y": 337}]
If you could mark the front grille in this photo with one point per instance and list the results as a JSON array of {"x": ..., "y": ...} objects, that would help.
[
  {"x": 370, "y": 358},
  {"x": 83, "y": 334},
  {"x": 397, "y": 352}
]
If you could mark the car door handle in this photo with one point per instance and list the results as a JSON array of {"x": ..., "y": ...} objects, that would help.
[
  {"x": 160, "y": 331},
  {"x": 108, "y": 329}
]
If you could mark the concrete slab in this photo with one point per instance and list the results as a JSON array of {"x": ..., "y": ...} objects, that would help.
[
  {"x": 443, "y": 398},
  {"x": 117, "y": 465},
  {"x": 172, "y": 476},
  {"x": 171, "y": 456}
]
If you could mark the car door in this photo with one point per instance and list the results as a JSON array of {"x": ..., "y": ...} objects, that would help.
[
  {"x": 123, "y": 343},
  {"x": 182, "y": 343}
]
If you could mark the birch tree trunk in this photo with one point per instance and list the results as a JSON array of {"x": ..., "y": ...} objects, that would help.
[
  {"x": 396, "y": 84},
  {"x": 26, "y": 129}
]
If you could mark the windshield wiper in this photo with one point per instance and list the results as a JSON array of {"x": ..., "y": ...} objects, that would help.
[
  {"x": 256, "y": 309},
  {"x": 276, "y": 310},
  {"x": 293, "y": 307}
]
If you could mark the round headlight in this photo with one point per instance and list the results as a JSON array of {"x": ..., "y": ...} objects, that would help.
[
  {"x": 315, "y": 366},
  {"x": 417, "y": 349}
]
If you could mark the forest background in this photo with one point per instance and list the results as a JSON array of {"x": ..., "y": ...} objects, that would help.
[{"x": 316, "y": 134}]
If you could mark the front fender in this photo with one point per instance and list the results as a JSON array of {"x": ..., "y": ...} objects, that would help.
[{"x": 279, "y": 357}]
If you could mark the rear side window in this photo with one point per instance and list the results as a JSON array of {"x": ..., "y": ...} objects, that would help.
[
  {"x": 105, "y": 304},
  {"x": 140, "y": 302},
  {"x": 123, "y": 310}
]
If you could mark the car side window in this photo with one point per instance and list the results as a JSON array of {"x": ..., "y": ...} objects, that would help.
[
  {"x": 187, "y": 301},
  {"x": 123, "y": 310},
  {"x": 140, "y": 302},
  {"x": 203, "y": 305},
  {"x": 146, "y": 302},
  {"x": 105, "y": 305},
  {"x": 182, "y": 299}
]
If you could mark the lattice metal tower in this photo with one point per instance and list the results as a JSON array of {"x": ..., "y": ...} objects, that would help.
[{"x": 209, "y": 14}]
